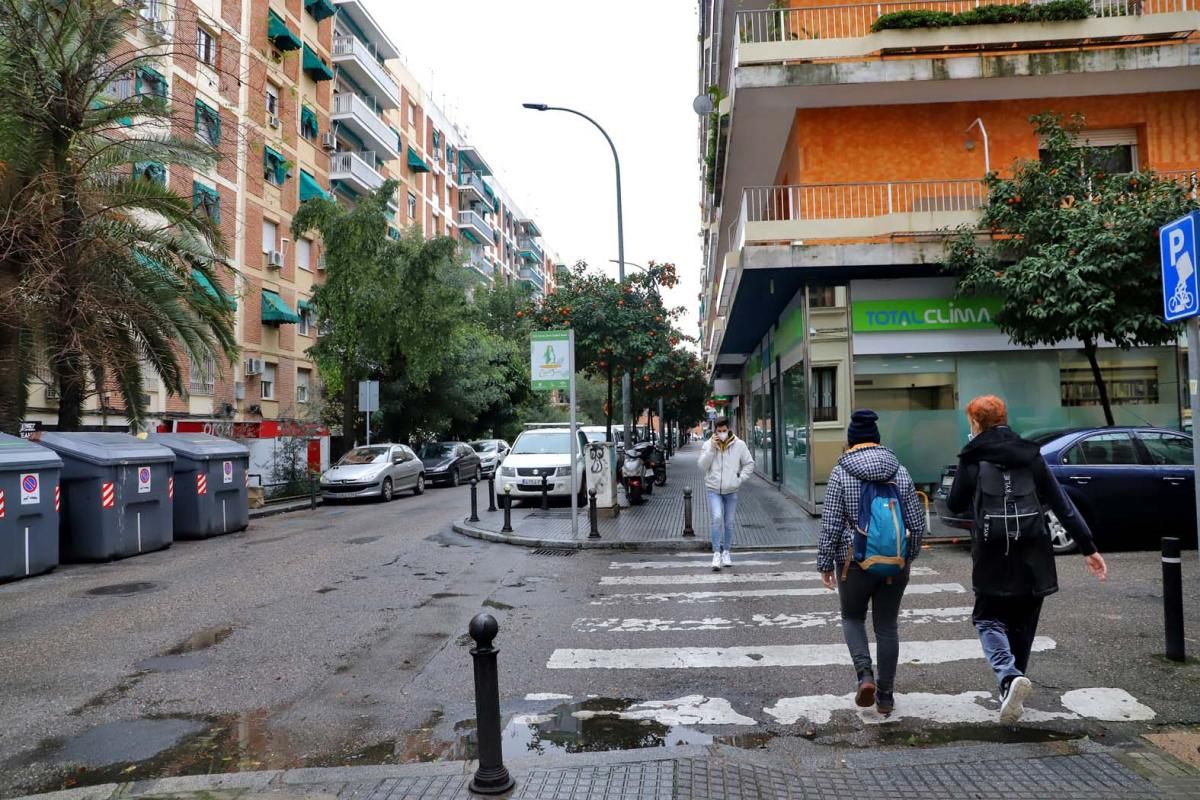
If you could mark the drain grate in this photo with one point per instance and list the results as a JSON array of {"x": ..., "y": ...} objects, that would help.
[{"x": 554, "y": 551}]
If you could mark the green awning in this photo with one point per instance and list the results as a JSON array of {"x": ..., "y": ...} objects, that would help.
[
  {"x": 304, "y": 305},
  {"x": 317, "y": 69},
  {"x": 274, "y": 166},
  {"x": 280, "y": 34},
  {"x": 275, "y": 311},
  {"x": 212, "y": 291},
  {"x": 208, "y": 122},
  {"x": 151, "y": 171},
  {"x": 320, "y": 9},
  {"x": 150, "y": 81},
  {"x": 415, "y": 162},
  {"x": 308, "y": 123},
  {"x": 310, "y": 189},
  {"x": 469, "y": 235}
]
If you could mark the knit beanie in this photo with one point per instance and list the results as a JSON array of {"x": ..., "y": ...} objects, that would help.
[{"x": 862, "y": 427}]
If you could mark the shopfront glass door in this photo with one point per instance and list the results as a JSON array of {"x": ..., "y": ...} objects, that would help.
[{"x": 794, "y": 454}]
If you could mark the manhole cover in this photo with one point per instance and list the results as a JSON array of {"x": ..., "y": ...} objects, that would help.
[
  {"x": 122, "y": 589},
  {"x": 552, "y": 551}
]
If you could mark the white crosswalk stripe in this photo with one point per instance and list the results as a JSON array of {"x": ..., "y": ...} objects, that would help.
[
  {"x": 725, "y": 577},
  {"x": 690, "y": 564},
  {"x": 917, "y": 616},
  {"x": 718, "y": 596}
]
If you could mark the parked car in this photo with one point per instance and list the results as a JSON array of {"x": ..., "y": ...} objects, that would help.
[
  {"x": 491, "y": 453},
  {"x": 543, "y": 451},
  {"x": 377, "y": 470},
  {"x": 1132, "y": 485},
  {"x": 450, "y": 462}
]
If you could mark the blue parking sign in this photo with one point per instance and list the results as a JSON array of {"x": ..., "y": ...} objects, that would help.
[{"x": 1181, "y": 288}]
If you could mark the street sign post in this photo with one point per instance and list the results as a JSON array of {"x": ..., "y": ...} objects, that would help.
[
  {"x": 368, "y": 401},
  {"x": 552, "y": 366},
  {"x": 1181, "y": 302}
]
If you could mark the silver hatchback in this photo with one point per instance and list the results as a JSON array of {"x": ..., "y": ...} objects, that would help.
[{"x": 377, "y": 470}]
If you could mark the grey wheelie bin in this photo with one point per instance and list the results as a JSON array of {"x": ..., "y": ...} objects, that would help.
[
  {"x": 29, "y": 498},
  {"x": 117, "y": 493},
  {"x": 210, "y": 484}
]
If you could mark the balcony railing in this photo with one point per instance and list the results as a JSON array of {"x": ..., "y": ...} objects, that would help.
[
  {"x": 472, "y": 183},
  {"x": 479, "y": 262},
  {"x": 854, "y": 21},
  {"x": 531, "y": 249},
  {"x": 353, "y": 112},
  {"x": 474, "y": 220},
  {"x": 356, "y": 57},
  {"x": 532, "y": 276},
  {"x": 356, "y": 168}
]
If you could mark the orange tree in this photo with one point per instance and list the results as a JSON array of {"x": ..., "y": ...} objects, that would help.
[{"x": 619, "y": 327}]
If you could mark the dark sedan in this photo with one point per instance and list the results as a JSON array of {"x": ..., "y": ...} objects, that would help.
[
  {"x": 450, "y": 462},
  {"x": 1132, "y": 485}
]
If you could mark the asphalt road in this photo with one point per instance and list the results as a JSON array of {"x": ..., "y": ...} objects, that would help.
[{"x": 337, "y": 637}]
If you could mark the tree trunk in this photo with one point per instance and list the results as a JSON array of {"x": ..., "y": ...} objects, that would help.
[
  {"x": 69, "y": 375},
  {"x": 12, "y": 387},
  {"x": 1089, "y": 349}
]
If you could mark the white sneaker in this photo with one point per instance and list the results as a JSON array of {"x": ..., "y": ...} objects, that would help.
[
  {"x": 1012, "y": 704},
  {"x": 726, "y": 559},
  {"x": 716, "y": 562}
]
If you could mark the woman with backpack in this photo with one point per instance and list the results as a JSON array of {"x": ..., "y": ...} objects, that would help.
[
  {"x": 871, "y": 531},
  {"x": 1007, "y": 484}
]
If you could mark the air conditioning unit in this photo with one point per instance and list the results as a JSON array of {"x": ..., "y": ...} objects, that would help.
[
  {"x": 253, "y": 366},
  {"x": 328, "y": 141},
  {"x": 275, "y": 259},
  {"x": 52, "y": 393},
  {"x": 274, "y": 121}
]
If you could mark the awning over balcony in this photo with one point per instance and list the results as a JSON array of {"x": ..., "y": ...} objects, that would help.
[
  {"x": 308, "y": 123},
  {"x": 320, "y": 9},
  {"x": 317, "y": 69},
  {"x": 415, "y": 162},
  {"x": 310, "y": 189},
  {"x": 212, "y": 291},
  {"x": 274, "y": 165},
  {"x": 280, "y": 34},
  {"x": 275, "y": 311},
  {"x": 469, "y": 235}
]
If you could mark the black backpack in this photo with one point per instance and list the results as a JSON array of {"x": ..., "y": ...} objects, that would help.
[{"x": 1007, "y": 508}]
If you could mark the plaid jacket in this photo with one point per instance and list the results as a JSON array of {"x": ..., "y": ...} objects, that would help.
[{"x": 841, "y": 502}]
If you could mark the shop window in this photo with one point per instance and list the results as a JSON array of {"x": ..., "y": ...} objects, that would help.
[
  {"x": 1127, "y": 385},
  {"x": 822, "y": 297},
  {"x": 206, "y": 47},
  {"x": 824, "y": 394}
]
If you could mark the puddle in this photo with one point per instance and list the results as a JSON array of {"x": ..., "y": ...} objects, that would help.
[
  {"x": 364, "y": 540},
  {"x": 955, "y": 734},
  {"x": 201, "y": 640},
  {"x": 122, "y": 589}
]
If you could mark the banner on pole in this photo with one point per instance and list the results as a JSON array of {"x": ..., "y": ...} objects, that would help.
[{"x": 550, "y": 360}]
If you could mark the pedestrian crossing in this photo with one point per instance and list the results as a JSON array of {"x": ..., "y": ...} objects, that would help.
[{"x": 760, "y": 645}]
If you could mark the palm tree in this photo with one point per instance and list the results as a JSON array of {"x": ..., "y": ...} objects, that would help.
[{"x": 104, "y": 270}]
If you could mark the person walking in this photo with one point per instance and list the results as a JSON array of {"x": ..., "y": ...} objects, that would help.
[
  {"x": 871, "y": 531},
  {"x": 726, "y": 462},
  {"x": 1004, "y": 480}
]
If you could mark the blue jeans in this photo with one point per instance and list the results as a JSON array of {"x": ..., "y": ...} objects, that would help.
[
  {"x": 1007, "y": 626},
  {"x": 722, "y": 508}
]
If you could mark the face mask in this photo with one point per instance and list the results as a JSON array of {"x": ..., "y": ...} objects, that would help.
[{"x": 722, "y": 435}]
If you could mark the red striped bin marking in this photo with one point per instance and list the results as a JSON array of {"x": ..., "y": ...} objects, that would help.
[
  {"x": 108, "y": 495},
  {"x": 1, "y": 504},
  {"x": 171, "y": 488},
  {"x": 57, "y": 497},
  {"x": 201, "y": 483}
]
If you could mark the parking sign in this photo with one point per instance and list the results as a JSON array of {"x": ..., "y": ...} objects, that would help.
[
  {"x": 31, "y": 490},
  {"x": 1180, "y": 283},
  {"x": 143, "y": 480},
  {"x": 227, "y": 472}
]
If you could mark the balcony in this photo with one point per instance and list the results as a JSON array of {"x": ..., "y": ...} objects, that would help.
[
  {"x": 355, "y": 170},
  {"x": 480, "y": 263},
  {"x": 531, "y": 250},
  {"x": 473, "y": 189},
  {"x": 844, "y": 31},
  {"x": 533, "y": 278},
  {"x": 354, "y": 114},
  {"x": 474, "y": 226},
  {"x": 357, "y": 59}
]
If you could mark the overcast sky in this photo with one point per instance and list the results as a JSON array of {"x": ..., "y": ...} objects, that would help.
[{"x": 630, "y": 64}]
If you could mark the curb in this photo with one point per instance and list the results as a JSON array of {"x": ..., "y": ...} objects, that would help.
[
  {"x": 699, "y": 543},
  {"x": 283, "y": 508}
]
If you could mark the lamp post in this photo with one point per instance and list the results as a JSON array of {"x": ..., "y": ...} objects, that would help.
[
  {"x": 626, "y": 390},
  {"x": 987, "y": 154}
]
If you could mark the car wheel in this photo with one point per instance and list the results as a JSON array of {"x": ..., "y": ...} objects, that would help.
[
  {"x": 1062, "y": 541},
  {"x": 455, "y": 477},
  {"x": 420, "y": 487},
  {"x": 387, "y": 492}
]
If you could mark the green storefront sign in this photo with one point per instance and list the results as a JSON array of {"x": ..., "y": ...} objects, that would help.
[{"x": 928, "y": 314}]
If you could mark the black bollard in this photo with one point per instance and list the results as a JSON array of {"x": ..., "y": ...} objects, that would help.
[
  {"x": 492, "y": 776},
  {"x": 593, "y": 520},
  {"x": 545, "y": 494},
  {"x": 492, "y": 492},
  {"x": 474, "y": 500},
  {"x": 1172, "y": 570},
  {"x": 507, "y": 510},
  {"x": 688, "y": 531}
]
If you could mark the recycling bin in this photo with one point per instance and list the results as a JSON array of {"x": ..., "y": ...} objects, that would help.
[
  {"x": 117, "y": 492},
  {"x": 210, "y": 484},
  {"x": 29, "y": 501}
]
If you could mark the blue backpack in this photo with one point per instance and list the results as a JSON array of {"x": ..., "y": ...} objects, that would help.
[{"x": 880, "y": 541}]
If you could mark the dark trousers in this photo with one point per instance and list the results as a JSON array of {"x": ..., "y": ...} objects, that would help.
[
  {"x": 855, "y": 593},
  {"x": 1006, "y": 628}
]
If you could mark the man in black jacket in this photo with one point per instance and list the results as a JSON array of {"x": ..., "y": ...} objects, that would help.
[{"x": 1010, "y": 583}]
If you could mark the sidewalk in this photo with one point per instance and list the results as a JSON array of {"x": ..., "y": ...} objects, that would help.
[
  {"x": 1078, "y": 769},
  {"x": 766, "y": 519}
]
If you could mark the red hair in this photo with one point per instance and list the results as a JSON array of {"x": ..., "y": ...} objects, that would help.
[{"x": 988, "y": 411}]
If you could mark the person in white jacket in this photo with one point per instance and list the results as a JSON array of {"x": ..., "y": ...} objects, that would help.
[{"x": 726, "y": 462}]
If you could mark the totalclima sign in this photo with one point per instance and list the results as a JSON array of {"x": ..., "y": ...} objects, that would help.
[{"x": 927, "y": 314}]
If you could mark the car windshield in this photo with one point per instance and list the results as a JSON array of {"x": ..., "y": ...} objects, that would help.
[
  {"x": 437, "y": 450},
  {"x": 484, "y": 447},
  {"x": 594, "y": 436},
  {"x": 557, "y": 442},
  {"x": 364, "y": 455}
]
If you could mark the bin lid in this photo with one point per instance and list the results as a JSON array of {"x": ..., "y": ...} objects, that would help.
[
  {"x": 200, "y": 446},
  {"x": 17, "y": 454},
  {"x": 105, "y": 449}
]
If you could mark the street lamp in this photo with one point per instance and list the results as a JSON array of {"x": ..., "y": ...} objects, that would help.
[
  {"x": 987, "y": 154},
  {"x": 626, "y": 390}
]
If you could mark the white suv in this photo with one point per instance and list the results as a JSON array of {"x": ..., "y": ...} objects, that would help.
[{"x": 543, "y": 451}]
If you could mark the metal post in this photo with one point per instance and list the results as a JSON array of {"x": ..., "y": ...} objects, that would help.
[
  {"x": 1193, "y": 340},
  {"x": 474, "y": 500},
  {"x": 545, "y": 493},
  {"x": 593, "y": 521},
  {"x": 1172, "y": 571},
  {"x": 492, "y": 776},
  {"x": 507, "y": 510},
  {"x": 576, "y": 456},
  {"x": 688, "y": 531},
  {"x": 492, "y": 492}
]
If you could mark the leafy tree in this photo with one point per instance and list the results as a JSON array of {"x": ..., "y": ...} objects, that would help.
[{"x": 1073, "y": 249}]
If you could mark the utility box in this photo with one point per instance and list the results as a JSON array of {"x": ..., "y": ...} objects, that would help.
[
  {"x": 210, "y": 484},
  {"x": 29, "y": 502},
  {"x": 602, "y": 474},
  {"x": 117, "y": 492}
]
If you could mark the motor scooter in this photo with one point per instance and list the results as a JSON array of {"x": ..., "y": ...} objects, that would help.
[{"x": 633, "y": 475}]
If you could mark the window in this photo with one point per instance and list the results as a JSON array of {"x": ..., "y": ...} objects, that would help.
[
  {"x": 266, "y": 382},
  {"x": 824, "y": 394},
  {"x": 304, "y": 254},
  {"x": 207, "y": 200},
  {"x": 412, "y": 113},
  {"x": 1104, "y": 450},
  {"x": 305, "y": 325},
  {"x": 308, "y": 123},
  {"x": 1108, "y": 151},
  {"x": 412, "y": 206},
  {"x": 206, "y": 47},
  {"x": 303, "y": 377},
  {"x": 150, "y": 82},
  {"x": 822, "y": 297},
  {"x": 1168, "y": 449},
  {"x": 270, "y": 231},
  {"x": 200, "y": 375},
  {"x": 1128, "y": 384},
  {"x": 150, "y": 171},
  {"x": 275, "y": 167},
  {"x": 272, "y": 101},
  {"x": 208, "y": 123}
]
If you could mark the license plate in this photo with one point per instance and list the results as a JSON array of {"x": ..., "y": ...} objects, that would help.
[{"x": 531, "y": 487}]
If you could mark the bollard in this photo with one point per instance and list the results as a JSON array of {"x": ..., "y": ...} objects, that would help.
[
  {"x": 593, "y": 520},
  {"x": 545, "y": 494},
  {"x": 687, "y": 512},
  {"x": 1172, "y": 570},
  {"x": 507, "y": 510},
  {"x": 474, "y": 500},
  {"x": 492, "y": 776},
  {"x": 492, "y": 492}
]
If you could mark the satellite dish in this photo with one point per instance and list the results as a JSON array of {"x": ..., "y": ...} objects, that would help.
[{"x": 703, "y": 104}]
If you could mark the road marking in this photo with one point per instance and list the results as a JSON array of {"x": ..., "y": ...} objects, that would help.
[
  {"x": 725, "y": 577},
  {"x": 690, "y": 565},
  {"x": 913, "y": 616},
  {"x": 733, "y": 594},
  {"x": 939, "y": 651},
  {"x": 1110, "y": 705},
  {"x": 536, "y": 696},
  {"x": 694, "y": 709}
]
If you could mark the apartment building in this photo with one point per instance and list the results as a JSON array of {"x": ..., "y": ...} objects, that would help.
[{"x": 841, "y": 156}]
